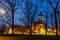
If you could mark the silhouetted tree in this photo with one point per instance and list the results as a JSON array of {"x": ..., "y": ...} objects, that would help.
[
  {"x": 58, "y": 20},
  {"x": 12, "y": 6},
  {"x": 29, "y": 14},
  {"x": 55, "y": 12},
  {"x": 46, "y": 26},
  {"x": 51, "y": 16}
]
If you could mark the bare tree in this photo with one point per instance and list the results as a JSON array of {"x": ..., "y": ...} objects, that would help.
[
  {"x": 51, "y": 16},
  {"x": 55, "y": 12},
  {"x": 58, "y": 21},
  {"x": 29, "y": 14},
  {"x": 46, "y": 26},
  {"x": 46, "y": 21},
  {"x": 12, "y": 6}
]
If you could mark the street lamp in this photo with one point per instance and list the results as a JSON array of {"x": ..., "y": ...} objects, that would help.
[{"x": 2, "y": 11}]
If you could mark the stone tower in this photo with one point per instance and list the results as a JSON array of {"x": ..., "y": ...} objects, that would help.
[{"x": 39, "y": 25}]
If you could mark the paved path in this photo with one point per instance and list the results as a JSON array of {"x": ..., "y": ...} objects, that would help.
[
  {"x": 28, "y": 38},
  {"x": 5, "y": 38}
]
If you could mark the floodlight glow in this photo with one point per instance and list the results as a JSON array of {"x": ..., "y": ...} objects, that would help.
[{"x": 2, "y": 11}]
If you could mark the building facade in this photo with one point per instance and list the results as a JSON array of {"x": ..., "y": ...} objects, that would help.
[{"x": 38, "y": 27}]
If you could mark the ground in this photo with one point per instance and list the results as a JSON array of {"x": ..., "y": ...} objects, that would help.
[{"x": 27, "y": 37}]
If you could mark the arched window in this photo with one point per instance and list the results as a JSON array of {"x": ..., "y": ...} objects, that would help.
[
  {"x": 40, "y": 26},
  {"x": 34, "y": 28},
  {"x": 38, "y": 29}
]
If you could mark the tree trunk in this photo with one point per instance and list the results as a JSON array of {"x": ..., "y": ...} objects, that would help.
[
  {"x": 12, "y": 20},
  {"x": 31, "y": 29},
  {"x": 59, "y": 20},
  {"x": 56, "y": 23},
  {"x": 52, "y": 21},
  {"x": 46, "y": 23}
]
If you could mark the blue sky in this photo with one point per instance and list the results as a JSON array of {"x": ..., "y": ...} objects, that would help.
[
  {"x": 38, "y": 3},
  {"x": 42, "y": 6}
]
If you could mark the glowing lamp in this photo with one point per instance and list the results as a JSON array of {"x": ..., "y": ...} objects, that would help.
[{"x": 2, "y": 11}]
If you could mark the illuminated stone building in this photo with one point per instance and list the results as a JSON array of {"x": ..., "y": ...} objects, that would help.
[
  {"x": 38, "y": 27},
  {"x": 17, "y": 29}
]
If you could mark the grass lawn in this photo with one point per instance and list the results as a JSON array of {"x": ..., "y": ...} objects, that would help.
[{"x": 27, "y": 37}]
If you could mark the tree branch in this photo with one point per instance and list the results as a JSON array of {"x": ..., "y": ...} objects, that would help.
[{"x": 51, "y": 4}]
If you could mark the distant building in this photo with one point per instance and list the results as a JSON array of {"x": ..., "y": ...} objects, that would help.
[
  {"x": 38, "y": 27},
  {"x": 17, "y": 29}
]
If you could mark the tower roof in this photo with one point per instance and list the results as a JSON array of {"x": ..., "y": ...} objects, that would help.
[
  {"x": 41, "y": 14},
  {"x": 38, "y": 22}
]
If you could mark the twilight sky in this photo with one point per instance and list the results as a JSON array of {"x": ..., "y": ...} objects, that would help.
[{"x": 43, "y": 6}]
